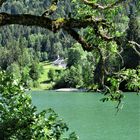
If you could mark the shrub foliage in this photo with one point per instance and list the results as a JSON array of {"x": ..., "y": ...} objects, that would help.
[{"x": 19, "y": 119}]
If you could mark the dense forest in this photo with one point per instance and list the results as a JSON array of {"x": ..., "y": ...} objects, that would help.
[
  {"x": 23, "y": 48},
  {"x": 99, "y": 44}
]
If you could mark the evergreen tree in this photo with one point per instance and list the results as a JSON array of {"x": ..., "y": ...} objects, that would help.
[{"x": 131, "y": 58}]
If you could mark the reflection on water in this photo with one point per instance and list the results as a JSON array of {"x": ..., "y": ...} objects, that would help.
[{"x": 92, "y": 119}]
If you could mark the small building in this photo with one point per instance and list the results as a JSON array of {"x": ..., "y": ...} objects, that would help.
[{"x": 60, "y": 62}]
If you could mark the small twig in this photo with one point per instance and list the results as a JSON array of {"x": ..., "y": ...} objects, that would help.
[
  {"x": 1, "y": 2},
  {"x": 133, "y": 46},
  {"x": 51, "y": 9},
  {"x": 119, "y": 106},
  {"x": 134, "y": 43}
]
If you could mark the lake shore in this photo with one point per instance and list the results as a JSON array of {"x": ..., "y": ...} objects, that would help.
[{"x": 69, "y": 90}]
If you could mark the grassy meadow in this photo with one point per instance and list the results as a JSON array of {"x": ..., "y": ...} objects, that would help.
[{"x": 44, "y": 80}]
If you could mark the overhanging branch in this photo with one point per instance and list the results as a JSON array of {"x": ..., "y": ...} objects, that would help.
[
  {"x": 101, "y": 7},
  {"x": 44, "y": 22},
  {"x": 81, "y": 40},
  {"x": 25, "y": 19},
  {"x": 52, "y": 25},
  {"x": 55, "y": 25}
]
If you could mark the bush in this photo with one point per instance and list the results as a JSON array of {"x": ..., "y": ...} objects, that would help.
[
  {"x": 35, "y": 71},
  {"x": 19, "y": 118},
  {"x": 52, "y": 75},
  {"x": 72, "y": 77}
]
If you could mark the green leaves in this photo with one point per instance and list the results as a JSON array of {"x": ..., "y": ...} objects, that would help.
[
  {"x": 19, "y": 119},
  {"x": 130, "y": 76},
  {"x": 133, "y": 79}
]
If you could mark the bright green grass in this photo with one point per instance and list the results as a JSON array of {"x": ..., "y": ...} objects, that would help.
[
  {"x": 44, "y": 76},
  {"x": 92, "y": 119}
]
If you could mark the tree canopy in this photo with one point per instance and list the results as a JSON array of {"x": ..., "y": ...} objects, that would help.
[{"x": 68, "y": 24}]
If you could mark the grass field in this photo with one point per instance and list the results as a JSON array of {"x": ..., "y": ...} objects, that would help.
[{"x": 44, "y": 79}]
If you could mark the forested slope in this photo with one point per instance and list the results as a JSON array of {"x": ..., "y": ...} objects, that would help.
[{"x": 23, "y": 47}]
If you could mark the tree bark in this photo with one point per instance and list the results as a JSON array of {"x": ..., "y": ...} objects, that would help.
[
  {"x": 54, "y": 25},
  {"x": 99, "y": 72}
]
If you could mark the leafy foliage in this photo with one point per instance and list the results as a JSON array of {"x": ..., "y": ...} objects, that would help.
[
  {"x": 19, "y": 118},
  {"x": 129, "y": 76},
  {"x": 79, "y": 72}
]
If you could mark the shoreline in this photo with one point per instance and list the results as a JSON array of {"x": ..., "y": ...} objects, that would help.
[{"x": 70, "y": 90}]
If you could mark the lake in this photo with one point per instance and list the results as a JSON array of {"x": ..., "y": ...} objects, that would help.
[{"x": 92, "y": 119}]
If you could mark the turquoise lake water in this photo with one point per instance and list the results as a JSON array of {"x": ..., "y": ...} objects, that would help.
[{"x": 92, "y": 119}]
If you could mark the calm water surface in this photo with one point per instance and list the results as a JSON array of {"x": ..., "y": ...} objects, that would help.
[{"x": 90, "y": 118}]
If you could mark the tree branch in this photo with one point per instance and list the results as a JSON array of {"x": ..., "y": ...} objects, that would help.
[
  {"x": 133, "y": 46},
  {"x": 1, "y": 2},
  {"x": 56, "y": 25},
  {"x": 103, "y": 36},
  {"x": 134, "y": 43},
  {"x": 52, "y": 25},
  {"x": 77, "y": 37},
  {"x": 25, "y": 19},
  {"x": 44, "y": 22},
  {"x": 100, "y": 7}
]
